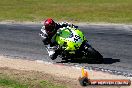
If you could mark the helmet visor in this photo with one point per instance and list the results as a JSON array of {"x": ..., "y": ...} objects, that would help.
[{"x": 49, "y": 29}]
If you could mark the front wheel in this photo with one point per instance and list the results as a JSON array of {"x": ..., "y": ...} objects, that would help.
[
  {"x": 94, "y": 54},
  {"x": 90, "y": 52}
]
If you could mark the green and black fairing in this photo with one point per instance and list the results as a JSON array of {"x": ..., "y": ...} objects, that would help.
[{"x": 69, "y": 38}]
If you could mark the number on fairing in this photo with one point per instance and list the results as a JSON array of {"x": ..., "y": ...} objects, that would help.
[{"x": 76, "y": 38}]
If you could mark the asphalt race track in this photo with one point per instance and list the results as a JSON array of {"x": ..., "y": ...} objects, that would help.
[{"x": 114, "y": 42}]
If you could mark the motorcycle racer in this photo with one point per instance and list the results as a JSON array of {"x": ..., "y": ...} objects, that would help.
[{"x": 48, "y": 30}]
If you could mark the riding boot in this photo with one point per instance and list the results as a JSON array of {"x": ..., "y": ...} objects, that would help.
[{"x": 53, "y": 54}]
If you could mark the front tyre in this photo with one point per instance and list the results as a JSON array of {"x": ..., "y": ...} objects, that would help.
[
  {"x": 94, "y": 54},
  {"x": 90, "y": 52}
]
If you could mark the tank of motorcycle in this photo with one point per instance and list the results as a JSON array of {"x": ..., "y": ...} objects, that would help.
[{"x": 70, "y": 38}]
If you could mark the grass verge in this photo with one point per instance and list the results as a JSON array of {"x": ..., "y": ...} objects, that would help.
[
  {"x": 115, "y": 11},
  {"x": 22, "y": 81},
  {"x": 7, "y": 83},
  {"x": 10, "y": 83}
]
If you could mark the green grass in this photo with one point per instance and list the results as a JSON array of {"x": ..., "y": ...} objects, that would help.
[
  {"x": 115, "y": 11},
  {"x": 7, "y": 82}
]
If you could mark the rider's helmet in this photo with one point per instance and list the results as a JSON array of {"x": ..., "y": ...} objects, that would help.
[{"x": 49, "y": 26}]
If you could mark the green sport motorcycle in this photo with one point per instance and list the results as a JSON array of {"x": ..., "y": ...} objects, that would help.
[{"x": 73, "y": 44}]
